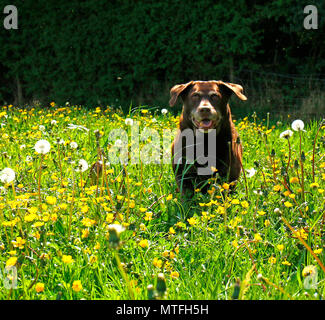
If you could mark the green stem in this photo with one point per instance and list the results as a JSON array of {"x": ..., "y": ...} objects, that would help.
[
  {"x": 302, "y": 171},
  {"x": 39, "y": 185},
  {"x": 124, "y": 275}
]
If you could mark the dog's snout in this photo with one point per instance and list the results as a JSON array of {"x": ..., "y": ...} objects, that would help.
[{"x": 205, "y": 109}]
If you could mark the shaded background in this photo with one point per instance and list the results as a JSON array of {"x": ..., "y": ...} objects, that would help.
[{"x": 116, "y": 53}]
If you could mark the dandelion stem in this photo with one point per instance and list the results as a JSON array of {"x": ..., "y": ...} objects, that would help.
[
  {"x": 107, "y": 186},
  {"x": 39, "y": 184},
  {"x": 314, "y": 146},
  {"x": 302, "y": 170},
  {"x": 270, "y": 158},
  {"x": 289, "y": 157},
  {"x": 296, "y": 234},
  {"x": 81, "y": 182},
  {"x": 13, "y": 190},
  {"x": 71, "y": 209},
  {"x": 128, "y": 193},
  {"x": 267, "y": 281},
  {"x": 60, "y": 166},
  {"x": 124, "y": 275},
  {"x": 141, "y": 180}
]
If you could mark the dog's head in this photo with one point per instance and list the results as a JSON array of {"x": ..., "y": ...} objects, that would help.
[{"x": 205, "y": 102}]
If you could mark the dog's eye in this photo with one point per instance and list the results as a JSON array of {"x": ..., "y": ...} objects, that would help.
[
  {"x": 196, "y": 96},
  {"x": 213, "y": 96}
]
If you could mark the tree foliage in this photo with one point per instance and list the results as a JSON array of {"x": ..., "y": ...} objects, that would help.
[{"x": 94, "y": 52}]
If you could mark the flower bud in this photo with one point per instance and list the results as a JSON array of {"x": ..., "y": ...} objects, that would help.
[
  {"x": 151, "y": 292},
  {"x": 161, "y": 285},
  {"x": 236, "y": 292},
  {"x": 114, "y": 231}
]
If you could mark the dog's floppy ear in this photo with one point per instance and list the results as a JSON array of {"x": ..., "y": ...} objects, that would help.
[
  {"x": 236, "y": 88},
  {"x": 175, "y": 91}
]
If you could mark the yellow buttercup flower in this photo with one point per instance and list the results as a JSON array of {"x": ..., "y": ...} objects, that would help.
[
  {"x": 76, "y": 286},
  {"x": 244, "y": 204},
  {"x": 19, "y": 243},
  {"x": 174, "y": 274},
  {"x": 11, "y": 261},
  {"x": 314, "y": 185},
  {"x": 280, "y": 247},
  {"x": 192, "y": 221},
  {"x": 169, "y": 197},
  {"x": 172, "y": 230},
  {"x": 30, "y": 217},
  {"x": 144, "y": 243},
  {"x": 288, "y": 204},
  {"x": 277, "y": 188},
  {"x": 309, "y": 270},
  {"x": 294, "y": 180},
  {"x": 39, "y": 287},
  {"x": 67, "y": 259},
  {"x": 257, "y": 237},
  {"x": 157, "y": 262},
  {"x": 148, "y": 216}
]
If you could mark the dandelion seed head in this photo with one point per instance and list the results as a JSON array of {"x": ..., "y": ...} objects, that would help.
[
  {"x": 286, "y": 134},
  {"x": 129, "y": 121},
  {"x": 297, "y": 125},
  {"x": 42, "y": 146},
  {"x": 7, "y": 175}
]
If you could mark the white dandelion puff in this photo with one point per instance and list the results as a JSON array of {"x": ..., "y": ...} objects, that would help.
[
  {"x": 298, "y": 125},
  {"x": 286, "y": 134},
  {"x": 82, "y": 165},
  {"x": 116, "y": 227},
  {"x": 72, "y": 126},
  {"x": 74, "y": 145},
  {"x": 7, "y": 175},
  {"x": 42, "y": 146},
  {"x": 129, "y": 121},
  {"x": 250, "y": 172}
]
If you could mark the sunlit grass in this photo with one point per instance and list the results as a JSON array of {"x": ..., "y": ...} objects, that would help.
[{"x": 58, "y": 213}]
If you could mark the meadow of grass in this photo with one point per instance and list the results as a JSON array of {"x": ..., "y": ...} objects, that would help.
[{"x": 77, "y": 230}]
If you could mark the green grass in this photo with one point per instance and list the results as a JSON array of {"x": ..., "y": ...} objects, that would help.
[{"x": 203, "y": 245}]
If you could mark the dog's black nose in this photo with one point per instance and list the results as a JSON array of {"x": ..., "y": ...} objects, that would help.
[{"x": 204, "y": 109}]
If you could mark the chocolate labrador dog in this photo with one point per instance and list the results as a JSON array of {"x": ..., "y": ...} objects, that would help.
[{"x": 207, "y": 142}]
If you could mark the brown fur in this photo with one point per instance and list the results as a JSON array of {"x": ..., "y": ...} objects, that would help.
[{"x": 213, "y": 96}]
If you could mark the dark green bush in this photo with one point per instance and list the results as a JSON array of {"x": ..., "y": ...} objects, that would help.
[{"x": 117, "y": 52}]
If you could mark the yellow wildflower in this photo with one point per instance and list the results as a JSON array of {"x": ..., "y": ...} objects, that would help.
[
  {"x": 144, "y": 243},
  {"x": 51, "y": 200},
  {"x": 39, "y": 287},
  {"x": 11, "y": 261},
  {"x": 157, "y": 262},
  {"x": 192, "y": 221},
  {"x": 294, "y": 180},
  {"x": 67, "y": 259},
  {"x": 288, "y": 204},
  {"x": 76, "y": 286},
  {"x": 174, "y": 274},
  {"x": 309, "y": 270},
  {"x": 257, "y": 237}
]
